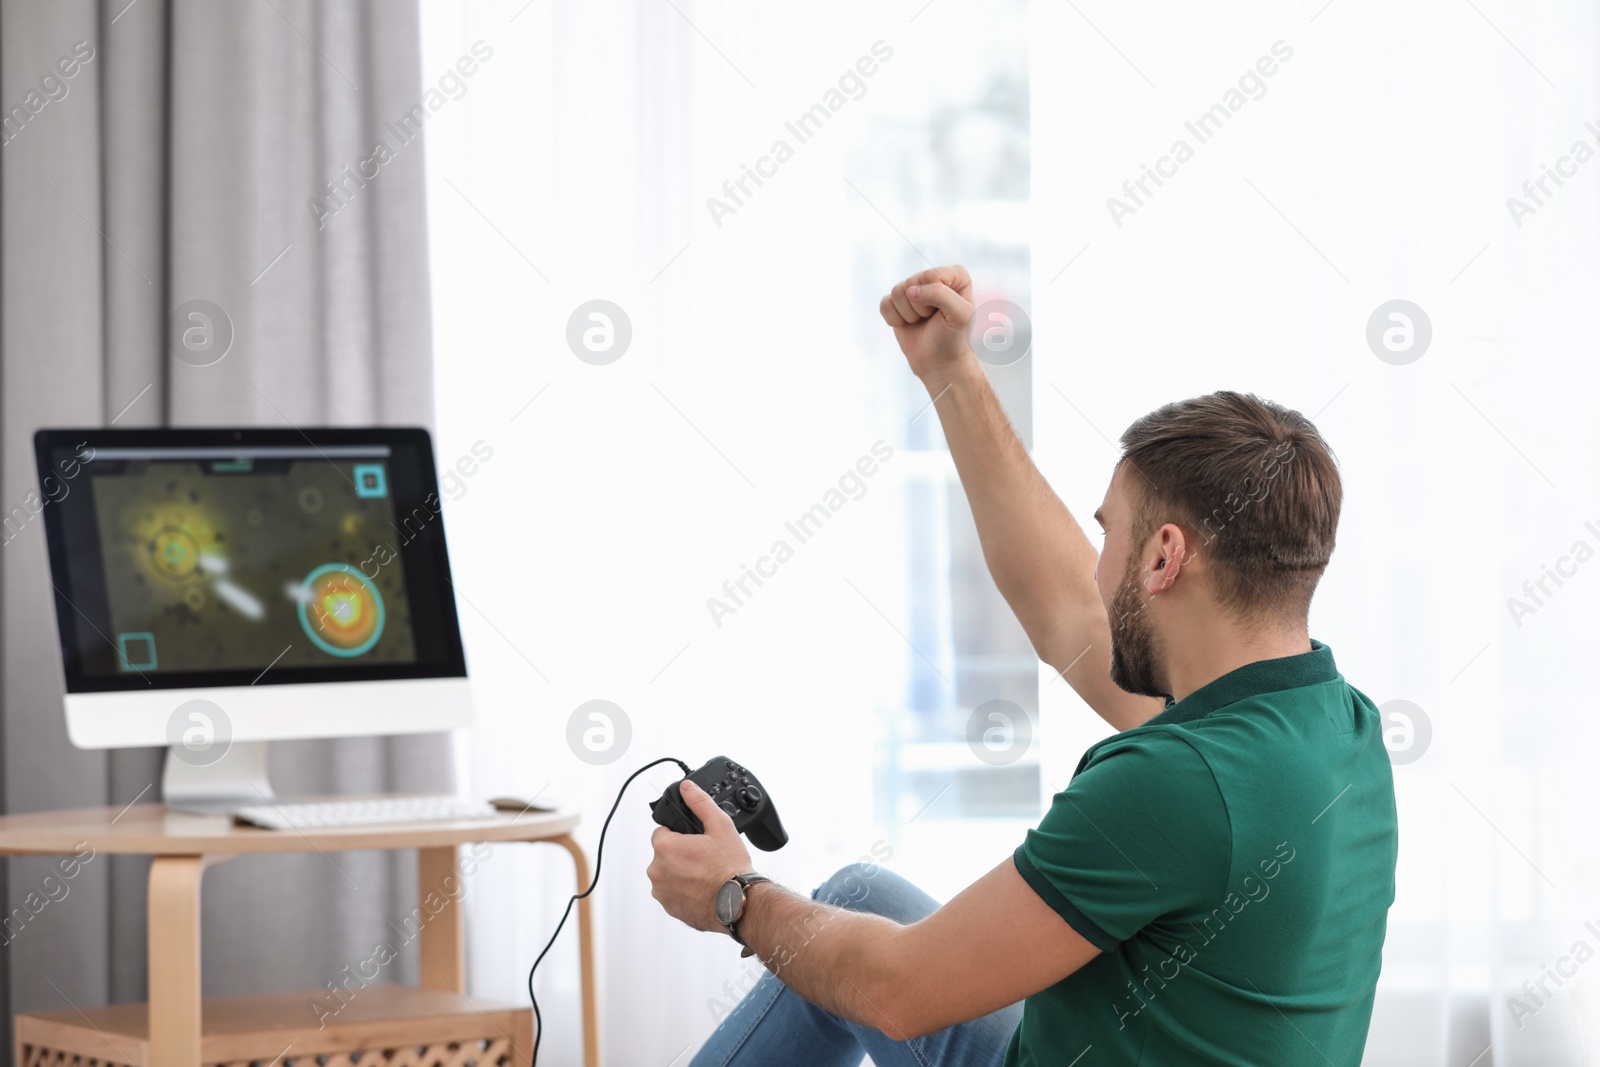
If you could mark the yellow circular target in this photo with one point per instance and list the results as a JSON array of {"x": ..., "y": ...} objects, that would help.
[{"x": 175, "y": 553}]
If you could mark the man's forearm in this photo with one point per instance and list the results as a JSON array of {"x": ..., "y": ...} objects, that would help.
[
  {"x": 842, "y": 961},
  {"x": 1038, "y": 554},
  {"x": 1041, "y": 560}
]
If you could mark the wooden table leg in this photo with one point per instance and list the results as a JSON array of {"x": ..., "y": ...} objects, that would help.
[
  {"x": 586, "y": 974},
  {"x": 442, "y": 943},
  {"x": 174, "y": 960}
]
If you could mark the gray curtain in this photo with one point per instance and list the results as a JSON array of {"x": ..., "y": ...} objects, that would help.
[{"x": 184, "y": 158}]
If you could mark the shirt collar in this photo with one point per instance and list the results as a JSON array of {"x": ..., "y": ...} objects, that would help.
[{"x": 1253, "y": 679}]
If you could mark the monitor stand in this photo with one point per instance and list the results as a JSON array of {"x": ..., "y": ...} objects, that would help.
[{"x": 237, "y": 779}]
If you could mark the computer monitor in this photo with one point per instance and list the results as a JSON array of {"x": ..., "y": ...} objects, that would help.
[{"x": 220, "y": 588}]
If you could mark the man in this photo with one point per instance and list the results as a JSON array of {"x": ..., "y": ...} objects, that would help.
[{"x": 1212, "y": 887}]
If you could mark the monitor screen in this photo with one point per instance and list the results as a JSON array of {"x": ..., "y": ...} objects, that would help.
[{"x": 186, "y": 558}]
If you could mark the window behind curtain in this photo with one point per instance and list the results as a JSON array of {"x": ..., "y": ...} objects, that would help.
[{"x": 935, "y": 178}]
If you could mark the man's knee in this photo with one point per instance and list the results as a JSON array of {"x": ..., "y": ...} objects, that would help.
[
  {"x": 849, "y": 886},
  {"x": 870, "y": 888}
]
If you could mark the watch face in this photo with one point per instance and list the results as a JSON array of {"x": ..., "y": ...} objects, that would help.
[{"x": 730, "y": 901}]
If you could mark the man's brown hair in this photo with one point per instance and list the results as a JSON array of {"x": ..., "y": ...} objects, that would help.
[{"x": 1254, "y": 487}]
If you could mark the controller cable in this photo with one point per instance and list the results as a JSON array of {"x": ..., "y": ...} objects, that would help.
[{"x": 599, "y": 856}]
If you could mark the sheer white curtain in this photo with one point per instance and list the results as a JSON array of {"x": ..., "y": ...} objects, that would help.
[
  {"x": 575, "y": 165},
  {"x": 1375, "y": 164}
]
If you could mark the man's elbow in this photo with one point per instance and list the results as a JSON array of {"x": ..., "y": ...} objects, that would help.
[
  {"x": 902, "y": 1015},
  {"x": 913, "y": 1022},
  {"x": 895, "y": 1002}
]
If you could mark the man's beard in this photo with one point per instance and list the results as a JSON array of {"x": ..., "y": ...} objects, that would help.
[{"x": 1133, "y": 638}]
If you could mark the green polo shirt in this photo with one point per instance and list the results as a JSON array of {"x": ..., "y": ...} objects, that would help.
[{"x": 1233, "y": 859}]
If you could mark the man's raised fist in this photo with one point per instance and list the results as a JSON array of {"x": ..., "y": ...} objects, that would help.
[{"x": 930, "y": 313}]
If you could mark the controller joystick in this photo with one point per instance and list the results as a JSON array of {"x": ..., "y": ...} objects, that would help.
[{"x": 737, "y": 792}]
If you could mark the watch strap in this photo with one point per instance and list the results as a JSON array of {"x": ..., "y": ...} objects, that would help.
[{"x": 745, "y": 882}]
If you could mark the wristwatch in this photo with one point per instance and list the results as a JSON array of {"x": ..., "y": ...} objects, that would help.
[{"x": 731, "y": 904}]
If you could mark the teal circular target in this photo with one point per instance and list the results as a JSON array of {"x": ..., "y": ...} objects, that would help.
[{"x": 349, "y": 607}]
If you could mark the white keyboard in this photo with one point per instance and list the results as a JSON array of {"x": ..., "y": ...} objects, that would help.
[{"x": 365, "y": 811}]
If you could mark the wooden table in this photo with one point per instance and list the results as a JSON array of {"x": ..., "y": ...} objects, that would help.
[{"x": 176, "y": 1030}]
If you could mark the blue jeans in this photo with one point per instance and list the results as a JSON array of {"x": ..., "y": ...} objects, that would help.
[{"x": 773, "y": 1027}]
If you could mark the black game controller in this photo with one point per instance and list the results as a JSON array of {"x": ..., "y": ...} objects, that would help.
[{"x": 736, "y": 792}]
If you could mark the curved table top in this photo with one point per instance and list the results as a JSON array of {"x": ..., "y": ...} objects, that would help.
[{"x": 153, "y": 830}]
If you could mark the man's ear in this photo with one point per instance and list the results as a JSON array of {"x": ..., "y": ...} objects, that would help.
[{"x": 1173, "y": 556}]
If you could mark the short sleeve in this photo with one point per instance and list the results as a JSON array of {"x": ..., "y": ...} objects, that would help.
[{"x": 1141, "y": 832}]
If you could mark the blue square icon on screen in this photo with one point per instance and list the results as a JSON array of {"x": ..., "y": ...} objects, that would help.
[
  {"x": 370, "y": 480},
  {"x": 136, "y": 651}
]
